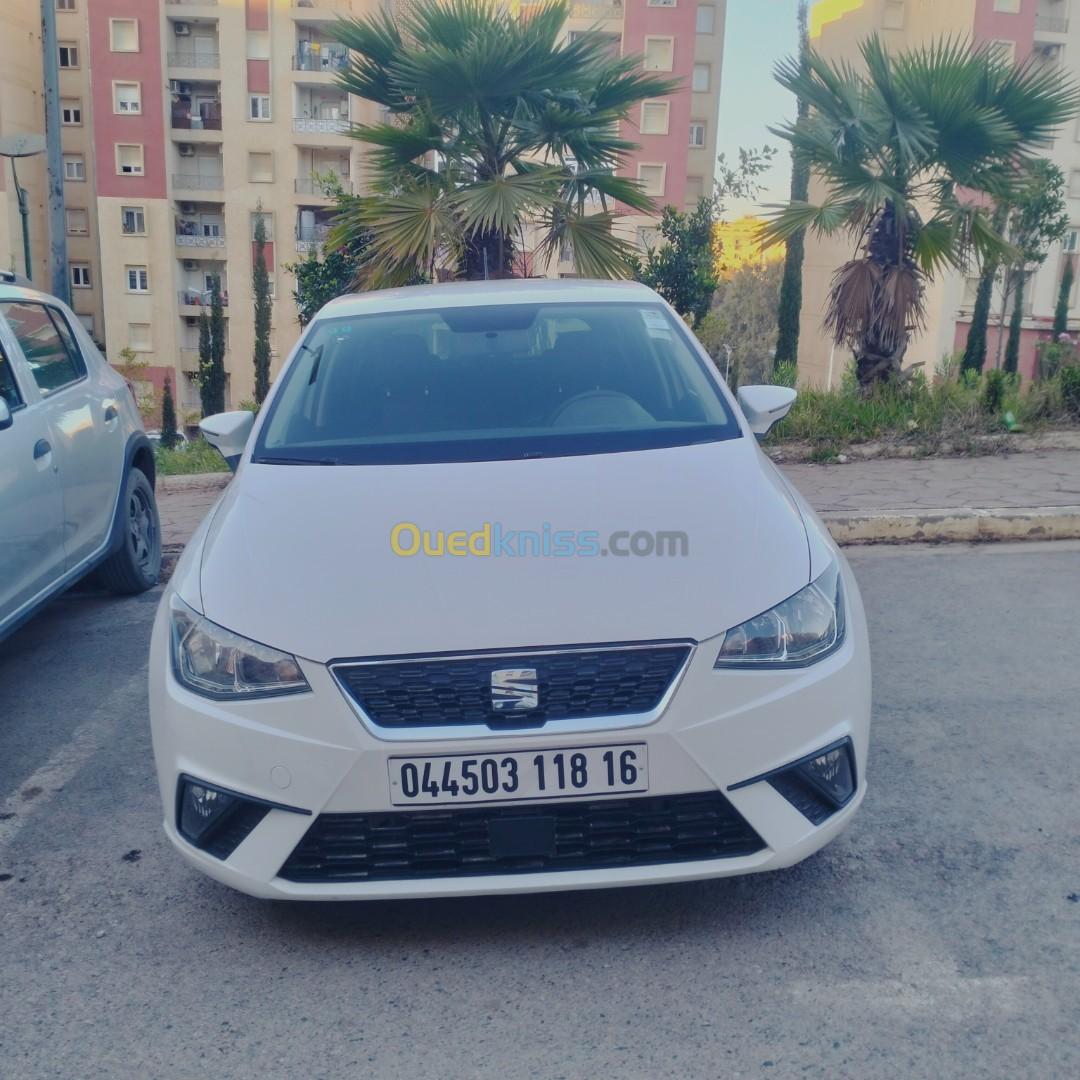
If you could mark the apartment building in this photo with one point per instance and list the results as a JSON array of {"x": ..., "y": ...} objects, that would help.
[
  {"x": 22, "y": 112},
  {"x": 1047, "y": 29},
  {"x": 183, "y": 120}
]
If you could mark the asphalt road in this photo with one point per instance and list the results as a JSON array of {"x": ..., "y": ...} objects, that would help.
[{"x": 938, "y": 937}]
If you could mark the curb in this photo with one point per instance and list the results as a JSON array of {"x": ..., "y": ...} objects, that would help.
[
  {"x": 957, "y": 525},
  {"x": 170, "y": 485}
]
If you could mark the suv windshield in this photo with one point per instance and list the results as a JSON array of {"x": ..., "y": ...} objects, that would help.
[{"x": 491, "y": 383}]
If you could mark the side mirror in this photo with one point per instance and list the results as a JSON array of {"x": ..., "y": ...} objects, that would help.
[
  {"x": 228, "y": 433},
  {"x": 764, "y": 406},
  {"x": 5, "y": 415}
]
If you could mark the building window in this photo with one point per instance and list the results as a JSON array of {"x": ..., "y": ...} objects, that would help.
[
  {"x": 1071, "y": 243},
  {"x": 132, "y": 220},
  {"x": 124, "y": 35},
  {"x": 661, "y": 3},
  {"x": 652, "y": 178},
  {"x": 1007, "y": 7},
  {"x": 80, "y": 275},
  {"x": 697, "y": 134},
  {"x": 87, "y": 322},
  {"x": 659, "y": 53},
  {"x": 138, "y": 279},
  {"x": 70, "y": 112},
  {"x": 695, "y": 190},
  {"x": 258, "y": 106},
  {"x": 701, "y": 78},
  {"x": 69, "y": 54},
  {"x": 268, "y": 223},
  {"x": 706, "y": 19},
  {"x": 260, "y": 167},
  {"x": 65, "y": 5},
  {"x": 77, "y": 222},
  {"x": 129, "y": 159},
  {"x": 892, "y": 18},
  {"x": 654, "y": 117},
  {"x": 74, "y": 167},
  {"x": 1074, "y": 184},
  {"x": 1003, "y": 51},
  {"x": 127, "y": 97},
  {"x": 139, "y": 337}
]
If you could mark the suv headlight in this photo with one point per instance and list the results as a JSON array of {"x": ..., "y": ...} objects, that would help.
[
  {"x": 803, "y": 629},
  {"x": 217, "y": 663}
]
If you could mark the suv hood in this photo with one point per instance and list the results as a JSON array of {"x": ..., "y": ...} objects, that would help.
[{"x": 299, "y": 557}]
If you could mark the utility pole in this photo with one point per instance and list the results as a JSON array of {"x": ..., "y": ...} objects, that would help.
[{"x": 58, "y": 264}]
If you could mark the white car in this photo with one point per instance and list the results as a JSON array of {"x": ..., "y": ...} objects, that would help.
[
  {"x": 505, "y": 597},
  {"x": 76, "y": 467}
]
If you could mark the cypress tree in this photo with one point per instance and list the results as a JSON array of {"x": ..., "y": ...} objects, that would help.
[
  {"x": 1012, "y": 349},
  {"x": 206, "y": 363},
  {"x": 975, "y": 349},
  {"x": 217, "y": 344},
  {"x": 260, "y": 280},
  {"x": 169, "y": 435},
  {"x": 1061, "y": 312},
  {"x": 790, "y": 307}
]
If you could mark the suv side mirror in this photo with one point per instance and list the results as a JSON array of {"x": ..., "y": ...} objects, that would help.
[
  {"x": 764, "y": 406},
  {"x": 5, "y": 414},
  {"x": 228, "y": 433}
]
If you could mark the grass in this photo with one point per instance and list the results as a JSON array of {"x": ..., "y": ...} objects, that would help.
[
  {"x": 198, "y": 456},
  {"x": 925, "y": 416}
]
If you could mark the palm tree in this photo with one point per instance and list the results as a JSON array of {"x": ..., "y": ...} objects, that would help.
[
  {"x": 913, "y": 153},
  {"x": 494, "y": 127}
]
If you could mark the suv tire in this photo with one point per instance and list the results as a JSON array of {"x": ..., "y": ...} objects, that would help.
[{"x": 136, "y": 565}]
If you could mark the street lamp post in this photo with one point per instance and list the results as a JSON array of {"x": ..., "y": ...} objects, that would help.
[{"x": 17, "y": 146}]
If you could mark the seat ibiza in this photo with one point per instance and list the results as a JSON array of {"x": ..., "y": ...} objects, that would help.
[{"x": 504, "y": 596}]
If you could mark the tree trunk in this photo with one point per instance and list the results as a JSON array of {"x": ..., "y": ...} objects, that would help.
[
  {"x": 487, "y": 256},
  {"x": 874, "y": 365},
  {"x": 1016, "y": 325}
]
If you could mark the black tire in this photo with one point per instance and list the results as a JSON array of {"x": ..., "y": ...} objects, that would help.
[{"x": 135, "y": 566}]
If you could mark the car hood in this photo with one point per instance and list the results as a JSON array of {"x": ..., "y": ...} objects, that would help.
[{"x": 300, "y": 557}]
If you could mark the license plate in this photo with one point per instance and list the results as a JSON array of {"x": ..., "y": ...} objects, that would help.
[{"x": 519, "y": 776}]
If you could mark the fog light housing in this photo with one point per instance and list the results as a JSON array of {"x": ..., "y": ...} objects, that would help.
[
  {"x": 215, "y": 820},
  {"x": 817, "y": 785}
]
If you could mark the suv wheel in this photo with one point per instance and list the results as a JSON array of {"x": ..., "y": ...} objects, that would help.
[{"x": 136, "y": 565}]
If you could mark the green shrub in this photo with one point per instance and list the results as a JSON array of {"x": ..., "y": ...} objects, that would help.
[
  {"x": 995, "y": 386},
  {"x": 197, "y": 456},
  {"x": 1069, "y": 379},
  {"x": 785, "y": 374}
]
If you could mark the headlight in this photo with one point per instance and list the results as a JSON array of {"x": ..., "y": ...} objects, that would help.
[
  {"x": 804, "y": 628},
  {"x": 217, "y": 663}
]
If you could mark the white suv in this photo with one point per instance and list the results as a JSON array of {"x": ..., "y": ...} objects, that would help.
[{"x": 76, "y": 467}]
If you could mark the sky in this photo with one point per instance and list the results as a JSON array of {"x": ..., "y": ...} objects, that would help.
[{"x": 759, "y": 32}]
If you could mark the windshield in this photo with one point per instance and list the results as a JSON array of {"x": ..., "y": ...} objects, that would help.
[{"x": 491, "y": 383}]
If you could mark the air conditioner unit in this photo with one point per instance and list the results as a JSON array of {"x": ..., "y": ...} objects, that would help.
[
  {"x": 191, "y": 320},
  {"x": 187, "y": 208},
  {"x": 182, "y": 29},
  {"x": 190, "y": 264},
  {"x": 185, "y": 149}
]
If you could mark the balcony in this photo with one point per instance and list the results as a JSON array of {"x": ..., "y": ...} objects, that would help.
[
  {"x": 316, "y": 6},
  {"x": 197, "y": 298},
  {"x": 324, "y": 57},
  {"x": 207, "y": 118},
  {"x": 311, "y": 237},
  {"x": 197, "y": 182},
  {"x": 1051, "y": 24},
  {"x": 189, "y": 59},
  {"x": 313, "y": 125},
  {"x": 310, "y": 185}
]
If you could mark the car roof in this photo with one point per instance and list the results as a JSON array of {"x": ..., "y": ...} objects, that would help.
[
  {"x": 484, "y": 293},
  {"x": 15, "y": 287}
]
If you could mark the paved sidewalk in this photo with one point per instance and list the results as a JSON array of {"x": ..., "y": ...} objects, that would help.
[{"x": 1008, "y": 496}]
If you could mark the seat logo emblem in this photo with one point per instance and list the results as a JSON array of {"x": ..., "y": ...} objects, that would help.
[{"x": 514, "y": 689}]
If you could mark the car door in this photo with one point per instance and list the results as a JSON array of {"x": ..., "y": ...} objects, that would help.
[
  {"x": 32, "y": 553},
  {"x": 83, "y": 419}
]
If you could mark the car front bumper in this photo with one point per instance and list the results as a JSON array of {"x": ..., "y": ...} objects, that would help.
[{"x": 310, "y": 752}]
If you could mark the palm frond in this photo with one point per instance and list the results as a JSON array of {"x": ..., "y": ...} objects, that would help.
[{"x": 499, "y": 203}]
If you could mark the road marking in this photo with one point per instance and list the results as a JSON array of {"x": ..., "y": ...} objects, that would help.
[{"x": 38, "y": 790}]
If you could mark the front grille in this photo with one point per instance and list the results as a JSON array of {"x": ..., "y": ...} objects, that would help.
[
  {"x": 599, "y": 834},
  {"x": 448, "y": 691}
]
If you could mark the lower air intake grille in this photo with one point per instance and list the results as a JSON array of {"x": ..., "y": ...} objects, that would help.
[
  {"x": 460, "y": 842},
  {"x": 570, "y": 684}
]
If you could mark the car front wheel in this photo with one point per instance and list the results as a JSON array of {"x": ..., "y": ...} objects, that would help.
[{"x": 135, "y": 566}]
